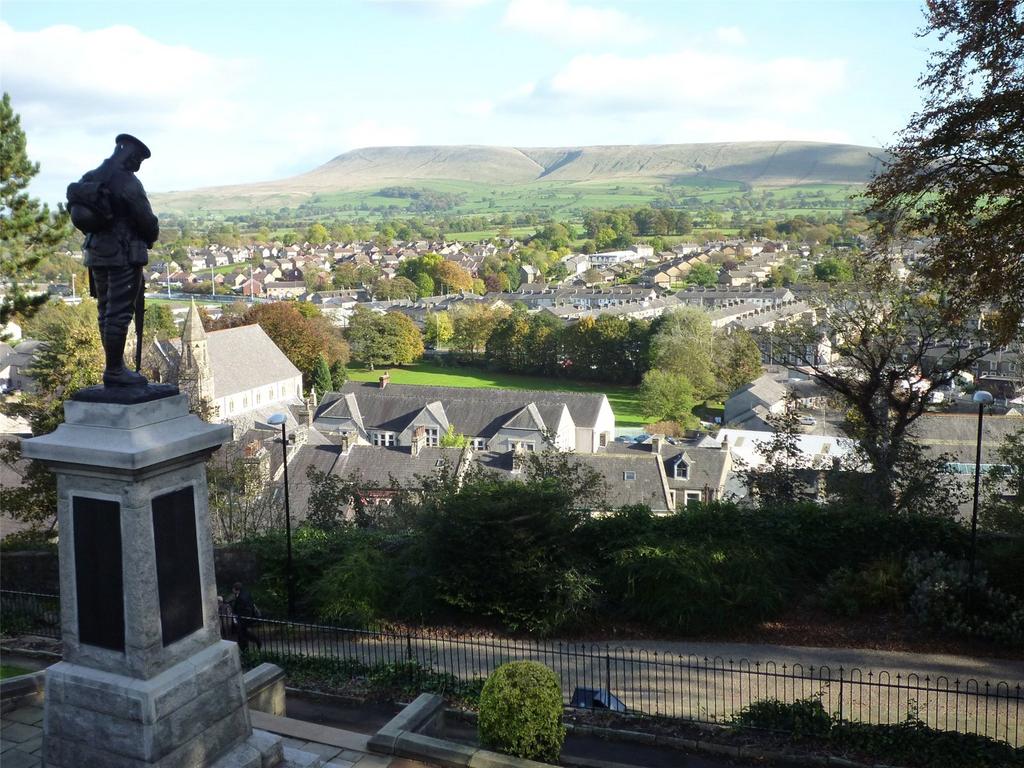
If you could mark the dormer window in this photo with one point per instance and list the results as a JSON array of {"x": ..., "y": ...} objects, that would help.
[
  {"x": 682, "y": 471},
  {"x": 629, "y": 475}
]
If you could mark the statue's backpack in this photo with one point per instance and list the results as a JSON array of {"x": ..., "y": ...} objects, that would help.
[{"x": 89, "y": 206}]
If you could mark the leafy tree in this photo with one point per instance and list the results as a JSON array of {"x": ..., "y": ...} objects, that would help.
[
  {"x": 1003, "y": 509},
  {"x": 702, "y": 274},
  {"x": 896, "y": 345},
  {"x": 388, "y": 289},
  {"x": 682, "y": 343},
  {"x": 321, "y": 380},
  {"x": 593, "y": 276},
  {"x": 777, "y": 481},
  {"x": 240, "y": 505},
  {"x": 424, "y": 285},
  {"x": 404, "y": 337},
  {"x": 28, "y": 230},
  {"x": 473, "y": 325},
  {"x": 737, "y": 360},
  {"x": 70, "y": 358},
  {"x": 302, "y": 338},
  {"x": 453, "y": 439},
  {"x": 159, "y": 322},
  {"x": 388, "y": 339},
  {"x": 453, "y": 278},
  {"x": 366, "y": 338},
  {"x": 833, "y": 270},
  {"x": 438, "y": 329},
  {"x": 339, "y": 374},
  {"x": 316, "y": 234},
  {"x": 956, "y": 170},
  {"x": 667, "y": 395}
]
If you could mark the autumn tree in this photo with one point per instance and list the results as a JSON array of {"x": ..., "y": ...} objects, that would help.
[
  {"x": 453, "y": 278},
  {"x": 301, "y": 338},
  {"x": 383, "y": 339},
  {"x": 28, "y": 230},
  {"x": 956, "y": 172},
  {"x": 438, "y": 329}
]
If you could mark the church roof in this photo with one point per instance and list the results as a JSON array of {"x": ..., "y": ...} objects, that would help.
[{"x": 245, "y": 358}]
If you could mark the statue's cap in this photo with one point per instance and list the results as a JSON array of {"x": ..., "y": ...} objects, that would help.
[{"x": 128, "y": 139}]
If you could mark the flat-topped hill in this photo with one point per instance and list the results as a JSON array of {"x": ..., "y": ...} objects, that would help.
[{"x": 777, "y": 163}]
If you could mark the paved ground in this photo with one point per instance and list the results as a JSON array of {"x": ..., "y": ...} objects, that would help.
[{"x": 21, "y": 740}]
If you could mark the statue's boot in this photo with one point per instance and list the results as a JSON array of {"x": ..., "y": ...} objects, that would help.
[{"x": 116, "y": 374}]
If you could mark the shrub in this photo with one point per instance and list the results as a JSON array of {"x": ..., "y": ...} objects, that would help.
[
  {"x": 940, "y": 593},
  {"x": 802, "y": 718},
  {"x": 878, "y": 586},
  {"x": 521, "y": 711}
]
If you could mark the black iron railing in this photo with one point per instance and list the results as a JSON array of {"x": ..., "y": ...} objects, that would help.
[{"x": 702, "y": 689}]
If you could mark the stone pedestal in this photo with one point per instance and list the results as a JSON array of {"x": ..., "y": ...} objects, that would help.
[{"x": 146, "y": 679}]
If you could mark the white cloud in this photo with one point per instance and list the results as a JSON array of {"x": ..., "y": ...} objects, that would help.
[
  {"x": 714, "y": 84},
  {"x": 430, "y": 7},
  {"x": 373, "y": 133},
  {"x": 564, "y": 22},
  {"x": 731, "y": 36}
]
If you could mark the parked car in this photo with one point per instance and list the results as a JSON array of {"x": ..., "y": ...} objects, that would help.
[{"x": 808, "y": 421}]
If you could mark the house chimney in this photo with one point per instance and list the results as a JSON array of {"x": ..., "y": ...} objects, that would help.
[
  {"x": 384, "y": 380},
  {"x": 345, "y": 442},
  {"x": 518, "y": 460},
  {"x": 419, "y": 440},
  {"x": 656, "y": 443}
]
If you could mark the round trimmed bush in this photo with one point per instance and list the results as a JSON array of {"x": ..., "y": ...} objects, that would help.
[{"x": 521, "y": 711}]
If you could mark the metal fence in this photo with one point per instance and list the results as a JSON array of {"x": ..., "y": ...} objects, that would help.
[{"x": 700, "y": 689}]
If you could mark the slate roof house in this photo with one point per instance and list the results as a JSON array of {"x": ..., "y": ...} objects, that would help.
[
  {"x": 387, "y": 415},
  {"x": 238, "y": 370},
  {"x": 694, "y": 473}
]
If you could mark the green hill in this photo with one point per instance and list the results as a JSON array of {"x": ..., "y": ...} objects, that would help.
[{"x": 523, "y": 174}]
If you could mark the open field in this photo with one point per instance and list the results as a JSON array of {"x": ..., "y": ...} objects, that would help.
[{"x": 622, "y": 399}]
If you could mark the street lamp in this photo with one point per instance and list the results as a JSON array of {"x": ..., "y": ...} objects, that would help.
[
  {"x": 982, "y": 398},
  {"x": 274, "y": 420}
]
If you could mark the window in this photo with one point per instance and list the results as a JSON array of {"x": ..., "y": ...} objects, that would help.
[
  {"x": 479, "y": 444},
  {"x": 682, "y": 470},
  {"x": 383, "y": 439},
  {"x": 629, "y": 475},
  {"x": 529, "y": 447},
  {"x": 432, "y": 436},
  {"x": 245, "y": 401},
  {"x": 603, "y": 440},
  {"x": 258, "y": 396},
  {"x": 694, "y": 496}
]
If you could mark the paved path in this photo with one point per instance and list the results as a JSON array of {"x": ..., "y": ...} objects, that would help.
[{"x": 712, "y": 681}]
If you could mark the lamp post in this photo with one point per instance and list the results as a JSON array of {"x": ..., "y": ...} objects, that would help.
[
  {"x": 274, "y": 420},
  {"x": 982, "y": 398}
]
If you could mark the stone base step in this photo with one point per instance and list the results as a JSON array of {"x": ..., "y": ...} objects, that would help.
[{"x": 296, "y": 758}]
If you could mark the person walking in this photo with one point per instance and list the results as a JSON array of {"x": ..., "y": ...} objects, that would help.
[{"x": 245, "y": 611}]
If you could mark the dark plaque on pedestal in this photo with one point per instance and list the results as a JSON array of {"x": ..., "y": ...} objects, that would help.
[
  {"x": 99, "y": 583},
  {"x": 177, "y": 564}
]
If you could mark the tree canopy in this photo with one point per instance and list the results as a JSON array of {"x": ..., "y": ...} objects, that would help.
[
  {"x": 28, "y": 230},
  {"x": 956, "y": 172}
]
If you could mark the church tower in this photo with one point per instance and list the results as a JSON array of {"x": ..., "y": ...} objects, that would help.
[{"x": 195, "y": 378}]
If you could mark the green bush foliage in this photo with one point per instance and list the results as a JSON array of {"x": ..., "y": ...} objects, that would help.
[
  {"x": 879, "y": 585},
  {"x": 521, "y": 711},
  {"x": 910, "y": 743},
  {"x": 941, "y": 598},
  {"x": 522, "y": 556}
]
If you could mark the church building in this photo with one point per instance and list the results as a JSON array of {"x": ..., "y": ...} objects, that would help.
[{"x": 238, "y": 373}]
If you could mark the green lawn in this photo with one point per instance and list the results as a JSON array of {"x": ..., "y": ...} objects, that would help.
[
  {"x": 622, "y": 399},
  {"x": 9, "y": 670}
]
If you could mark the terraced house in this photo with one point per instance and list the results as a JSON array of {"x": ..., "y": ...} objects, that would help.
[{"x": 396, "y": 415}]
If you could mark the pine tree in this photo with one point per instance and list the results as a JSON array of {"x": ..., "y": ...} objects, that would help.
[
  {"x": 27, "y": 228},
  {"x": 322, "y": 379}
]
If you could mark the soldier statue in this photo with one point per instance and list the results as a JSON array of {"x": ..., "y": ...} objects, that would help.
[{"x": 110, "y": 206}]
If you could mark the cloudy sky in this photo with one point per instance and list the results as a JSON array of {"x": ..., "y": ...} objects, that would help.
[{"x": 226, "y": 92}]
